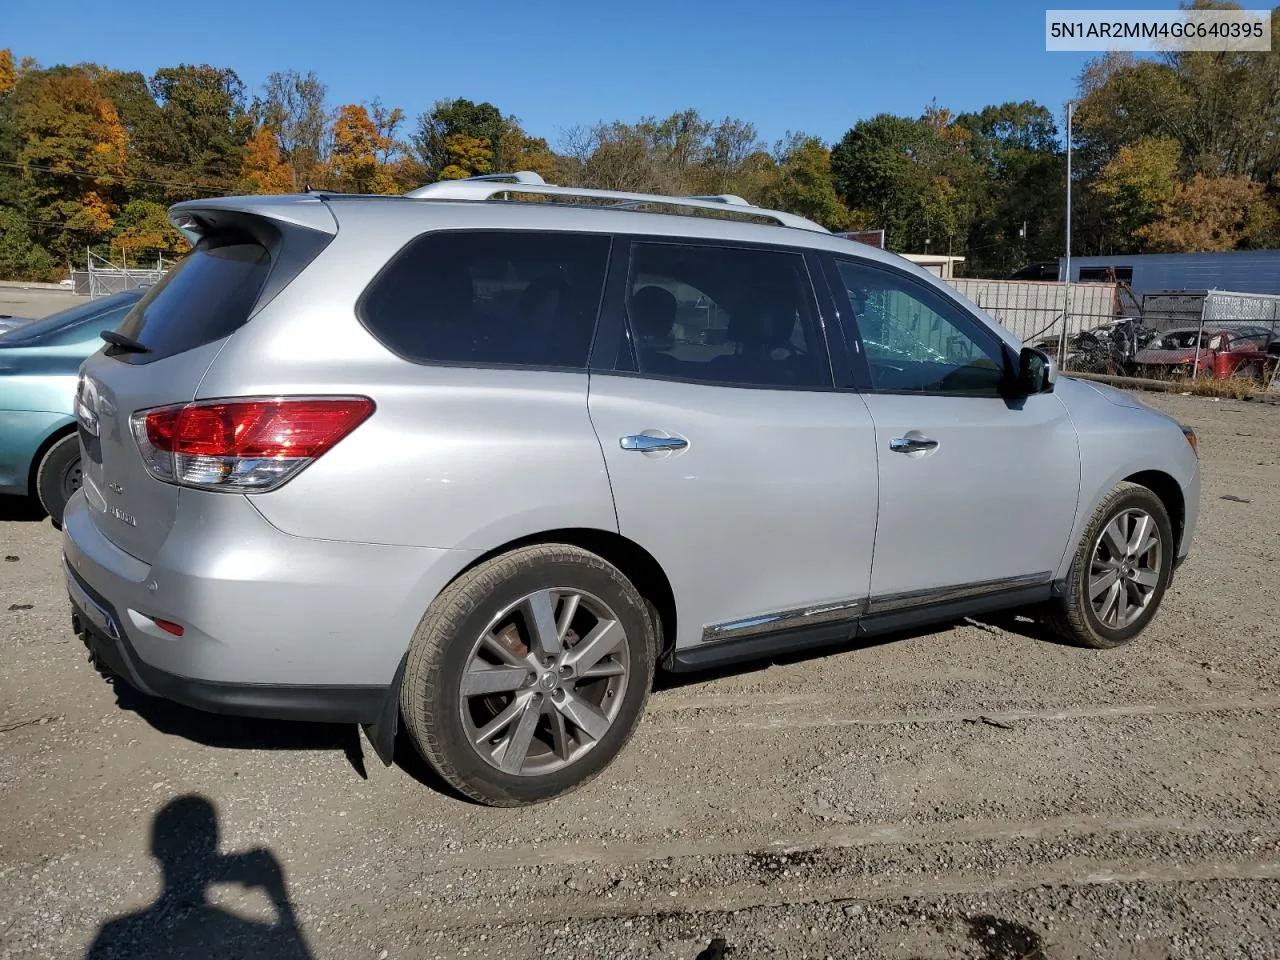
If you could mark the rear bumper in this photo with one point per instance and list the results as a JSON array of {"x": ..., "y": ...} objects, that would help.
[
  {"x": 274, "y": 625},
  {"x": 97, "y": 624}
]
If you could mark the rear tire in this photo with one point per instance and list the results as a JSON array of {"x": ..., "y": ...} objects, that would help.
[
  {"x": 551, "y": 637},
  {"x": 58, "y": 476},
  {"x": 1119, "y": 573}
]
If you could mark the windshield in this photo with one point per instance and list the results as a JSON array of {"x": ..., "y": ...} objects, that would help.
[
  {"x": 108, "y": 310},
  {"x": 1181, "y": 340}
]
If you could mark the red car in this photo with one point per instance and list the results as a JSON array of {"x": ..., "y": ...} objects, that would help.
[{"x": 1222, "y": 353}]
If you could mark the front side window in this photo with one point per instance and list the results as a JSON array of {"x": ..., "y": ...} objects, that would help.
[
  {"x": 915, "y": 340},
  {"x": 725, "y": 315},
  {"x": 521, "y": 298}
]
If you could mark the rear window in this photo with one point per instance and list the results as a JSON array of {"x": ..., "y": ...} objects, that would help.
[
  {"x": 522, "y": 298},
  {"x": 206, "y": 297}
]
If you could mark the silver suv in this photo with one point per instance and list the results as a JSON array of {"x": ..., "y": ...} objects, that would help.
[{"x": 478, "y": 467}]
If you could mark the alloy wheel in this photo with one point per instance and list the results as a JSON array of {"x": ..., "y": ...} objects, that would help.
[
  {"x": 1125, "y": 568},
  {"x": 544, "y": 682}
]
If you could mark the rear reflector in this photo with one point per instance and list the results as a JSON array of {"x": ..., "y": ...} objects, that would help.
[
  {"x": 168, "y": 626},
  {"x": 250, "y": 445}
]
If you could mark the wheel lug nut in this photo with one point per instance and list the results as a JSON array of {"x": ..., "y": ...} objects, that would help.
[{"x": 557, "y": 695}]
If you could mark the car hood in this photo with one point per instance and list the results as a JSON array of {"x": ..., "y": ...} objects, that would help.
[{"x": 1111, "y": 394}]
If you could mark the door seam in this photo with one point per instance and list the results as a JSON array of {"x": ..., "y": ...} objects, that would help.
[{"x": 604, "y": 460}]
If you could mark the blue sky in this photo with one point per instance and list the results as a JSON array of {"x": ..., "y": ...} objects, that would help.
[{"x": 800, "y": 65}]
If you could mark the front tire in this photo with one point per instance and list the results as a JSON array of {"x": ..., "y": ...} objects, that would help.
[
  {"x": 528, "y": 674},
  {"x": 58, "y": 476},
  {"x": 1120, "y": 571}
]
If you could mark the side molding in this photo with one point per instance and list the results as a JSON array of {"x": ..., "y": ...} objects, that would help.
[{"x": 802, "y": 628}]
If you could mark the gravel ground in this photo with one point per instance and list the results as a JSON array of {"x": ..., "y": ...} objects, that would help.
[{"x": 979, "y": 791}]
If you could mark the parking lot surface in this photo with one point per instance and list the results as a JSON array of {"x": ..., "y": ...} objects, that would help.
[
  {"x": 36, "y": 303},
  {"x": 977, "y": 791}
]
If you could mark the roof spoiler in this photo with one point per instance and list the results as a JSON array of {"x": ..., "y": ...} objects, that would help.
[{"x": 197, "y": 218}]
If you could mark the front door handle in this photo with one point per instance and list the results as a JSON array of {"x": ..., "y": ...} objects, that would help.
[
  {"x": 647, "y": 444},
  {"x": 911, "y": 444}
]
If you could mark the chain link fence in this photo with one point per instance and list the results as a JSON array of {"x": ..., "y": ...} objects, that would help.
[
  {"x": 1240, "y": 334},
  {"x": 1034, "y": 311},
  {"x": 1173, "y": 334},
  {"x": 103, "y": 277}
]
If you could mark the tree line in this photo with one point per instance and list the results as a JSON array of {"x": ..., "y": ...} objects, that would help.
[{"x": 1176, "y": 153}]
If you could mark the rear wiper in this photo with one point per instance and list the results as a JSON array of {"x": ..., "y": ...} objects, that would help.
[{"x": 128, "y": 344}]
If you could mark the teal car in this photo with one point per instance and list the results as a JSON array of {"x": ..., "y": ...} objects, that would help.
[{"x": 39, "y": 367}]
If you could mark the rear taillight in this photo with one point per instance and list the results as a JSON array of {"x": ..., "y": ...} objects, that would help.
[{"x": 249, "y": 445}]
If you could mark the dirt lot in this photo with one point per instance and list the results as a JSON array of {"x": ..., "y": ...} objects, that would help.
[{"x": 973, "y": 792}]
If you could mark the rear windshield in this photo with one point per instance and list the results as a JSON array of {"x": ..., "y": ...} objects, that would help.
[
  {"x": 206, "y": 297},
  {"x": 56, "y": 327}
]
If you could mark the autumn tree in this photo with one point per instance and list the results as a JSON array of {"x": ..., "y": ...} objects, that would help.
[
  {"x": 676, "y": 146},
  {"x": 206, "y": 126},
  {"x": 1222, "y": 108},
  {"x": 459, "y": 138},
  {"x": 915, "y": 178},
  {"x": 609, "y": 156},
  {"x": 8, "y": 71},
  {"x": 1138, "y": 184},
  {"x": 146, "y": 126},
  {"x": 73, "y": 157},
  {"x": 802, "y": 182},
  {"x": 727, "y": 146},
  {"x": 680, "y": 154},
  {"x": 1222, "y": 213},
  {"x": 263, "y": 170},
  {"x": 362, "y": 149},
  {"x": 10, "y": 141},
  {"x": 519, "y": 151},
  {"x": 143, "y": 229},
  {"x": 467, "y": 156},
  {"x": 455, "y": 132},
  {"x": 1018, "y": 206},
  {"x": 292, "y": 107}
]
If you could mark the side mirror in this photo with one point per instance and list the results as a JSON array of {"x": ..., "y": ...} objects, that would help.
[{"x": 1037, "y": 372}]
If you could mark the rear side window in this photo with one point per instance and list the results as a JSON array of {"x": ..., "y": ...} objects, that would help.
[
  {"x": 206, "y": 297},
  {"x": 520, "y": 298},
  {"x": 724, "y": 315}
]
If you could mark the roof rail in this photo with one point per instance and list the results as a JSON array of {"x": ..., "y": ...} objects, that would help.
[
  {"x": 518, "y": 176},
  {"x": 491, "y": 186},
  {"x": 724, "y": 198}
]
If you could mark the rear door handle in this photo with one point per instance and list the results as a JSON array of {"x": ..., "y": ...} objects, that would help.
[
  {"x": 911, "y": 444},
  {"x": 645, "y": 443}
]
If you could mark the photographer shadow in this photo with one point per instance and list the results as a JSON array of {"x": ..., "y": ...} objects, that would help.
[{"x": 182, "y": 922}]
